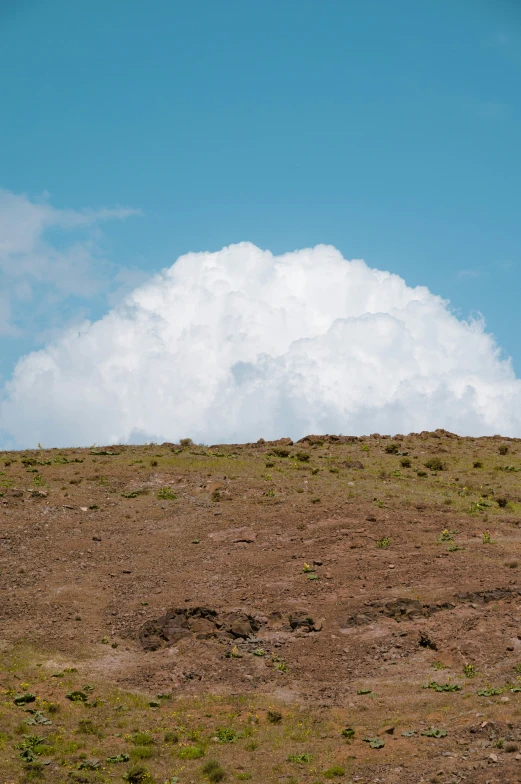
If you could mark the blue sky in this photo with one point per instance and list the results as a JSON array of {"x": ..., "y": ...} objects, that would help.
[{"x": 390, "y": 130}]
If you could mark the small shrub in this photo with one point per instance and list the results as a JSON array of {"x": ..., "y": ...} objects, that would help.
[
  {"x": 392, "y": 449},
  {"x": 421, "y": 473},
  {"x": 469, "y": 670},
  {"x": 280, "y": 451},
  {"x": 503, "y": 449},
  {"x": 501, "y": 502},
  {"x": 477, "y": 464},
  {"x": 190, "y": 752},
  {"x": 274, "y": 717},
  {"x": 487, "y": 537},
  {"x": 226, "y": 735},
  {"x": 405, "y": 462},
  {"x": 334, "y": 770},
  {"x": 166, "y": 494},
  {"x": 142, "y": 739},
  {"x": 300, "y": 759},
  {"x": 213, "y": 771},
  {"x": 186, "y": 442},
  {"x": 171, "y": 737},
  {"x": 302, "y": 456},
  {"x": 434, "y": 464},
  {"x": 138, "y": 775}
]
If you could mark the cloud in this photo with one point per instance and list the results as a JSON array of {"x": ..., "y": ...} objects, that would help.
[
  {"x": 241, "y": 344},
  {"x": 468, "y": 274},
  {"x": 47, "y": 254}
]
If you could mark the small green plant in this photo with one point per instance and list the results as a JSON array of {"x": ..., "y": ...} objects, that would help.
[
  {"x": 166, "y": 494},
  {"x": 300, "y": 759},
  {"x": 23, "y": 699},
  {"x": 365, "y": 447},
  {"x": 478, "y": 506},
  {"x": 190, "y": 752},
  {"x": 141, "y": 739},
  {"x": 334, "y": 770},
  {"x": 226, "y": 735},
  {"x": 439, "y": 666},
  {"x": 303, "y": 456},
  {"x": 233, "y": 653},
  {"x": 375, "y": 743},
  {"x": 434, "y": 733},
  {"x": 487, "y": 537},
  {"x": 447, "y": 535},
  {"x": 274, "y": 717},
  {"x": 489, "y": 692},
  {"x": 171, "y": 737},
  {"x": 469, "y": 670},
  {"x": 77, "y": 696},
  {"x": 348, "y": 732},
  {"x": 435, "y": 686},
  {"x": 118, "y": 758},
  {"x": 392, "y": 449},
  {"x": 281, "y": 667},
  {"x": 405, "y": 462},
  {"x": 453, "y": 547},
  {"x": 383, "y": 543}
]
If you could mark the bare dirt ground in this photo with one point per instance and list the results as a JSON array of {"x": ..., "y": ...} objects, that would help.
[{"x": 338, "y": 608}]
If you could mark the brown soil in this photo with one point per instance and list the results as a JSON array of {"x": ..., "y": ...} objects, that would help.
[{"x": 326, "y": 576}]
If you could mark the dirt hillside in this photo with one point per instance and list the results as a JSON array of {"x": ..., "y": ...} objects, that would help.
[{"x": 338, "y": 608}]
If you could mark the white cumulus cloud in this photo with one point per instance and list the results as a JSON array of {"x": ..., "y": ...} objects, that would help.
[
  {"x": 45, "y": 257},
  {"x": 241, "y": 344}
]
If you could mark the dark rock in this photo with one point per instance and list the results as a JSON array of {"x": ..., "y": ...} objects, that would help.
[
  {"x": 301, "y": 620},
  {"x": 426, "y": 642}
]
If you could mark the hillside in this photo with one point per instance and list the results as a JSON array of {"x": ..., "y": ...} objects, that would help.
[{"x": 338, "y": 608}]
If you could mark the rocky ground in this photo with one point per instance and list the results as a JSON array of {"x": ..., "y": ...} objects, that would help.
[{"x": 363, "y": 592}]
